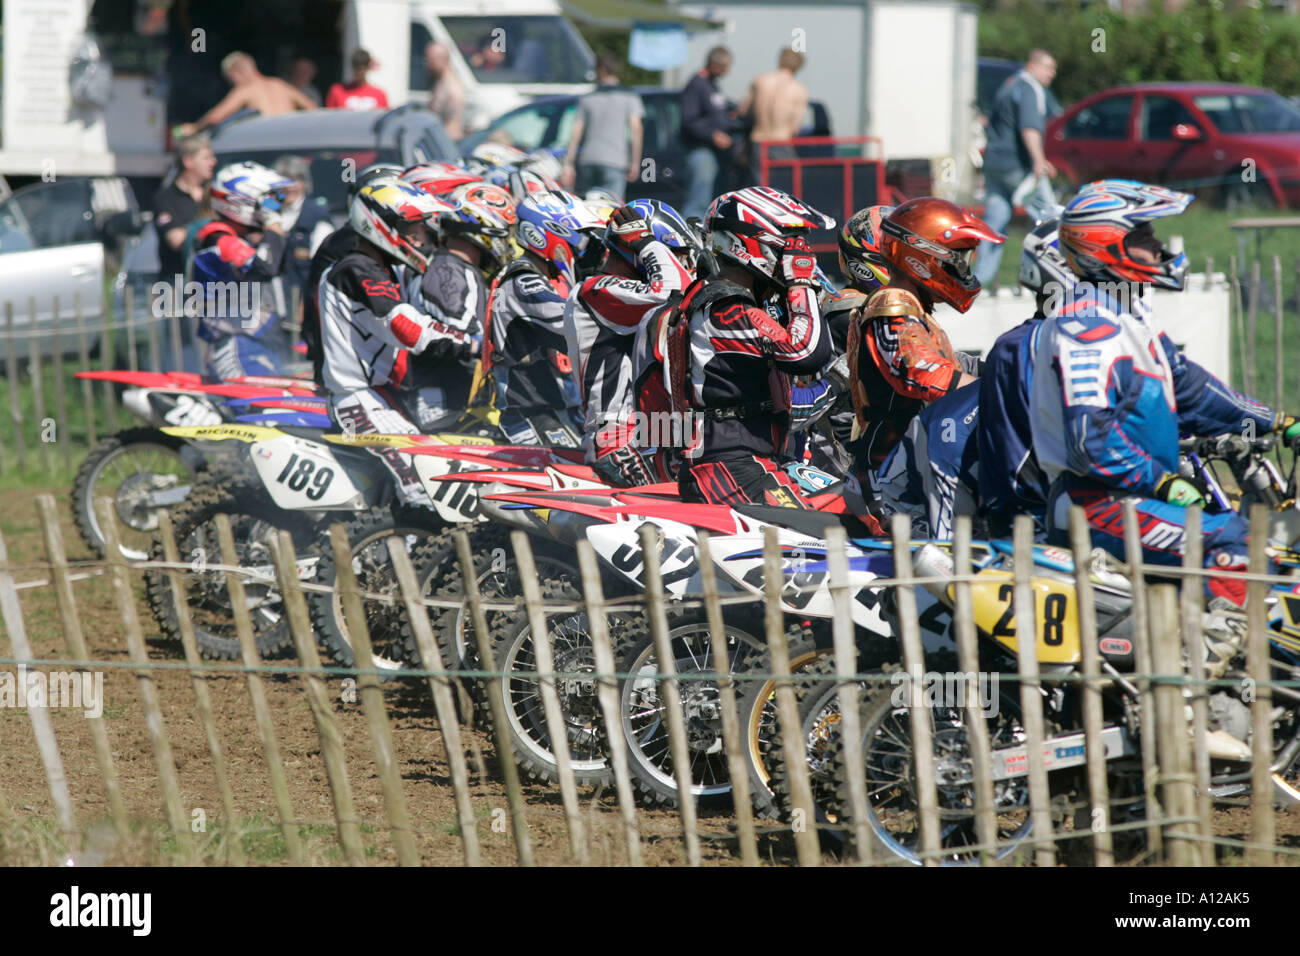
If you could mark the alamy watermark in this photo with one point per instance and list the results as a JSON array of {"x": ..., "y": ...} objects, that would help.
[
  {"x": 951, "y": 690},
  {"x": 208, "y": 300},
  {"x": 28, "y": 689},
  {"x": 651, "y": 430}
]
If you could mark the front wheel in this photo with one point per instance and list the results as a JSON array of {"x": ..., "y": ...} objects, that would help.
[
  {"x": 893, "y": 817},
  {"x": 143, "y": 471}
]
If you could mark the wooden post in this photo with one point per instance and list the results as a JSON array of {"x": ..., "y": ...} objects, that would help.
[
  {"x": 372, "y": 697},
  {"x": 487, "y": 662},
  {"x": 202, "y": 699},
  {"x": 607, "y": 695},
  {"x": 1278, "y": 390},
  {"x": 36, "y": 366},
  {"x": 1103, "y": 853},
  {"x": 444, "y": 703},
  {"x": 1263, "y": 831},
  {"x": 737, "y": 764},
  {"x": 1031, "y": 695},
  {"x": 174, "y": 325},
  {"x": 977, "y": 731},
  {"x": 133, "y": 360},
  {"x": 257, "y": 691},
  {"x": 846, "y": 667},
  {"x": 667, "y": 665},
  {"x": 75, "y": 638},
  {"x": 1252, "y": 331},
  {"x": 1176, "y": 777},
  {"x": 1142, "y": 660},
  {"x": 125, "y": 598},
  {"x": 64, "y": 427},
  {"x": 1192, "y": 604},
  {"x": 83, "y": 364},
  {"x": 11, "y": 369},
  {"x": 914, "y": 664},
  {"x": 11, "y": 610},
  {"x": 107, "y": 356},
  {"x": 155, "y": 363},
  {"x": 1239, "y": 322},
  {"x": 793, "y": 749},
  {"x": 556, "y": 727},
  {"x": 327, "y": 728}
]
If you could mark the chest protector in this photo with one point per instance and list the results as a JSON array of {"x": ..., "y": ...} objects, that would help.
[{"x": 884, "y": 303}]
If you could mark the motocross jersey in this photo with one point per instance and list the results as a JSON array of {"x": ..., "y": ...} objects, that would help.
[
  {"x": 1012, "y": 483},
  {"x": 932, "y": 474},
  {"x": 735, "y": 373},
  {"x": 1111, "y": 394},
  {"x": 452, "y": 293},
  {"x": 336, "y": 245},
  {"x": 529, "y": 356},
  {"x": 368, "y": 330},
  {"x": 237, "y": 277},
  {"x": 899, "y": 359},
  {"x": 601, "y": 320}
]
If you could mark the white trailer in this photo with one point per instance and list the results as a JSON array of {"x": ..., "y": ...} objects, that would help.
[{"x": 899, "y": 70}]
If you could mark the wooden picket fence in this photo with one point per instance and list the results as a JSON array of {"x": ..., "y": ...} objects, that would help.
[{"x": 1179, "y": 823}]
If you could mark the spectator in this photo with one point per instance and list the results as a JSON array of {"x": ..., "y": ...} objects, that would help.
[
  {"x": 605, "y": 146},
  {"x": 301, "y": 74},
  {"x": 177, "y": 208},
  {"x": 490, "y": 54},
  {"x": 310, "y": 230},
  {"x": 357, "y": 94},
  {"x": 777, "y": 102},
  {"x": 447, "y": 96},
  {"x": 705, "y": 125},
  {"x": 177, "y": 203},
  {"x": 1015, "y": 153},
  {"x": 267, "y": 95}
]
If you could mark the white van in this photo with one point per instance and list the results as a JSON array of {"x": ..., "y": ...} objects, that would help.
[{"x": 505, "y": 52}]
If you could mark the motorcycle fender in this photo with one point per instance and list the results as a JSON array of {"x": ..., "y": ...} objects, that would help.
[
  {"x": 1056, "y": 615},
  {"x": 301, "y": 475},
  {"x": 456, "y": 502},
  {"x": 1059, "y": 753}
]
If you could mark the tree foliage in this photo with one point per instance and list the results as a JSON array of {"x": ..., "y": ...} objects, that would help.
[{"x": 1097, "y": 48}]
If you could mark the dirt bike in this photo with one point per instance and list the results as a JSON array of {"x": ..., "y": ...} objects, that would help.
[{"x": 142, "y": 468}]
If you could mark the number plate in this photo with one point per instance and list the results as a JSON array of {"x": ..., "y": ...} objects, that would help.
[
  {"x": 454, "y": 501},
  {"x": 302, "y": 475}
]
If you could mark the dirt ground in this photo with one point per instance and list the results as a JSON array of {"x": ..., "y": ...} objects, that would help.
[{"x": 30, "y": 837}]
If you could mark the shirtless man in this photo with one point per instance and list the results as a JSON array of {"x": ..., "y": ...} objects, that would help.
[
  {"x": 268, "y": 95},
  {"x": 777, "y": 102},
  {"x": 447, "y": 98}
]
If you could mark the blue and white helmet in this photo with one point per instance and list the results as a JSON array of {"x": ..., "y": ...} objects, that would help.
[
  {"x": 552, "y": 226},
  {"x": 666, "y": 225},
  {"x": 238, "y": 191},
  {"x": 1108, "y": 217},
  {"x": 1042, "y": 266}
]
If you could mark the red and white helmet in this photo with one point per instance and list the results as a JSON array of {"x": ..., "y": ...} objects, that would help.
[
  {"x": 238, "y": 191},
  {"x": 394, "y": 217},
  {"x": 750, "y": 226},
  {"x": 438, "y": 179}
]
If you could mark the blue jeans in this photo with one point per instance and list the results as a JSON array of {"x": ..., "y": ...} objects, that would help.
[
  {"x": 998, "y": 187},
  {"x": 702, "y": 169},
  {"x": 598, "y": 176}
]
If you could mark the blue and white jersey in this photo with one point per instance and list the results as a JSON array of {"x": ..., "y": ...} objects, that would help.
[
  {"x": 1011, "y": 481},
  {"x": 1111, "y": 394}
]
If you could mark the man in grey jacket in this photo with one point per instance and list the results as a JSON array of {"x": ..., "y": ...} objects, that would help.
[
  {"x": 605, "y": 146},
  {"x": 1016, "y": 152}
]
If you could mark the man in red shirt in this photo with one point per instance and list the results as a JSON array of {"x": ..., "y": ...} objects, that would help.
[{"x": 357, "y": 94}]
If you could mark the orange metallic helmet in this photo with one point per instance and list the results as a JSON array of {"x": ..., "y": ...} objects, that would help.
[{"x": 933, "y": 243}]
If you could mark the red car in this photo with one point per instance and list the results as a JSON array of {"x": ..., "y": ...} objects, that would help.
[{"x": 1241, "y": 142}]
